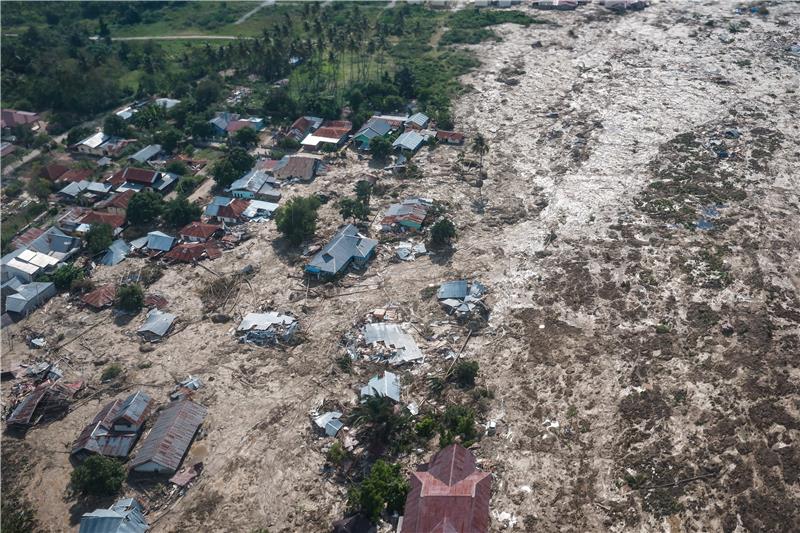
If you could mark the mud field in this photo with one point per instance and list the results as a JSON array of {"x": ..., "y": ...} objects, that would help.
[{"x": 638, "y": 231}]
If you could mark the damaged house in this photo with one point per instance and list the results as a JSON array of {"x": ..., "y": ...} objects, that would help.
[
  {"x": 169, "y": 440},
  {"x": 157, "y": 324},
  {"x": 115, "y": 429},
  {"x": 48, "y": 401},
  {"x": 389, "y": 342},
  {"x": 387, "y": 386},
  {"x": 409, "y": 214},
  {"x": 256, "y": 185},
  {"x": 266, "y": 328},
  {"x": 125, "y": 516},
  {"x": 461, "y": 297},
  {"x": 347, "y": 247}
]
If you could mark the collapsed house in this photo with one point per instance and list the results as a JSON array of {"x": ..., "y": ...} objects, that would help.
[
  {"x": 154, "y": 242},
  {"x": 125, "y": 516},
  {"x": 387, "y": 386},
  {"x": 461, "y": 298},
  {"x": 28, "y": 297},
  {"x": 390, "y": 343},
  {"x": 448, "y": 494},
  {"x": 115, "y": 253},
  {"x": 191, "y": 252},
  {"x": 266, "y": 328},
  {"x": 156, "y": 325},
  {"x": 48, "y": 401},
  {"x": 256, "y": 185},
  {"x": 329, "y": 422},
  {"x": 169, "y": 440},
  {"x": 115, "y": 429},
  {"x": 347, "y": 247},
  {"x": 101, "y": 297},
  {"x": 409, "y": 214}
]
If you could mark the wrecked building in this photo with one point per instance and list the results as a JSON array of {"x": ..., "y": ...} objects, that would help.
[
  {"x": 409, "y": 214},
  {"x": 115, "y": 429},
  {"x": 266, "y": 328},
  {"x": 125, "y": 516},
  {"x": 387, "y": 386},
  {"x": 170, "y": 438},
  {"x": 48, "y": 401},
  {"x": 347, "y": 247},
  {"x": 461, "y": 297},
  {"x": 390, "y": 343},
  {"x": 329, "y": 422},
  {"x": 156, "y": 325}
]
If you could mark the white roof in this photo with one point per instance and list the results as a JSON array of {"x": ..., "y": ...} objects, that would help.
[
  {"x": 22, "y": 266},
  {"x": 313, "y": 140},
  {"x": 95, "y": 140},
  {"x": 41, "y": 260},
  {"x": 259, "y": 205}
]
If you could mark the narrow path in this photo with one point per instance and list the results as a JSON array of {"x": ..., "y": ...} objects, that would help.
[
  {"x": 180, "y": 38},
  {"x": 254, "y": 11}
]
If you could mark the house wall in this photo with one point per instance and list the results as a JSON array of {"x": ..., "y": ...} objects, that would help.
[
  {"x": 243, "y": 194},
  {"x": 151, "y": 466}
]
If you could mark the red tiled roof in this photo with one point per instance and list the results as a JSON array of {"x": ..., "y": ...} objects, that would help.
[
  {"x": 236, "y": 125},
  {"x": 233, "y": 209},
  {"x": 11, "y": 117},
  {"x": 100, "y": 297},
  {"x": 135, "y": 175},
  {"x": 199, "y": 230},
  {"x": 267, "y": 164},
  {"x": 75, "y": 174},
  {"x": 450, "y": 135},
  {"x": 339, "y": 124},
  {"x": 120, "y": 200},
  {"x": 452, "y": 495},
  {"x": 99, "y": 217},
  {"x": 53, "y": 172},
  {"x": 155, "y": 300},
  {"x": 24, "y": 239},
  {"x": 331, "y": 132},
  {"x": 190, "y": 252},
  {"x": 301, "y": 124}
]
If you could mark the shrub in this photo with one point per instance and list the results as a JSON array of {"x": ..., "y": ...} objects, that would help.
[
  {"x": 65, "y": 276},
  {"x": 464, "y": 374},
  {"x": 177, "y": 167},
  {"x": 288, "y": 143},
  {"x": 443, "y": 232},
  {"x": 297, "y": 218},
  {"x": 426, "y": 427},
  {"x": 457, "y": 421},
  {"x": 130, "y": 298},
  {"x": 384, "y": 488},
  {"x": 111, "y": 372},
  {"x": 98, "y": 476},
  {"x": 99, "y": 237},
  {"x": 354, "y": 209},
  {"x": 336, "y": 454}
]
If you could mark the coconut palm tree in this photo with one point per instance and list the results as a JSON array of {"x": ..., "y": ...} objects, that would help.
[{"x": 480, "y": 147}]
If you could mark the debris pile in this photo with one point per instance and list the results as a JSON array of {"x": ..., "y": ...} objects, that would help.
[
  {"x": 381, "y": 338},
  {"x": 156, "y": 326},
  {"x": 269, "y": 328},
  {"x": 408, "y": 251},
  {"x": 462, "y": 298},
  {"x": 186, "y": 388},
  {"x": 329, "y": 422},
  {"x": 387, "y": 386}
]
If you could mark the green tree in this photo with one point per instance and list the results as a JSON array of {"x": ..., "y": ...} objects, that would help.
[
  {"x": 443, "y": 232},
  {"x": 464, "y": 374},
  {"x": 98, "y": 476},
  {"x": 177, "y": 167},
  {"x": 246, "y": 138},
  {"x": 207, "y": 92},
  {"x": 115, "y": 126},
  {"x": 297, "y": 218},
  {"x": 169, "y": 139},
  {"x": 232, "y": 166},
  {"x": 352, "y": 208},
  {"x": 66, "y": 275},
  {"x": 384, "y": 488},
  {"x": 288, "y": 143},
  {"x": 40, "y": 188},
  {"x": 99, "y": 237},
  {"x": 77, "y": 134},
  {"x": 457, "y": 421},
  {"x": 180, "y": 211},
  {"x": 144, "y": 208},
  {"x": 380, "y": 148},
  {"x": 130, "y": 298},
  {"x": 480, "y": 147},
  {"x": 363, "y": 191},
  {"x": 200, "y": 128}
]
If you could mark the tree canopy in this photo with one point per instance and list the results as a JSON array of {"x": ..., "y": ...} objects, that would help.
[
  {"x": 144, "y": 208},
  {"x": 99, "y": 237},
  {"x": 443, "y": 232},
  {"x": 130, "y": 298},
  {"x": 353, "y": 208},
  {"x": 180, "y": 211},
  {"x": 297, "y": 218},
  {"x": 98, "y": 476},
  {"x": 380, "y": 148},
  {"x": 385, "y": 488},
  {"x": 235, "y": 163}
]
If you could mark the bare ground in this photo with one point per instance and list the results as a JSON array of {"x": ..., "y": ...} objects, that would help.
[{"x": 666, "y": 354}]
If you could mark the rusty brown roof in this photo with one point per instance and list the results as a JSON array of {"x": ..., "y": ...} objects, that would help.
[
  {"x": 168, "y": 441},
  {"x": 100, "y": 297},
  {"x": 450, "y": 495}
]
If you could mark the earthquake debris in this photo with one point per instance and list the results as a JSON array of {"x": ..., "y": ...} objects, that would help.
[
  {"x": 389, "y": 342},
  {"x": 408, "y": 251},
  {"x": 101, "y": 297},
  {"x": 387, "y": 386},
  {"x": 269, "y": 328},
  {"x": 187, "y": 475},
  {"x": 462, "y": 298},
  {"x": 186, "y": 388},
  {"x": 48, "y": 401},
  {"x": 156, "y": 325},
  {"x": 408, "y": 215},
  {"x": 115, "y": 429},
  {"x": 329, "y": 422},
  {"x": 125, "y": 516}
]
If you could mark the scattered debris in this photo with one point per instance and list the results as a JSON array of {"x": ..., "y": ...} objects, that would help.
[
  {"x": 391, "y": 343},
  {"x": 329, "y": 422},
  {"x": 264, "y": 329},
  {"x": 157, "y": 325},
  {"x": 387, "y": 386},
  {"x": 461, "y": 297}
]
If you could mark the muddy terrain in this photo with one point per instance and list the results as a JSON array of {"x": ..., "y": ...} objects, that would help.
[{"x": 638, "y": 232}]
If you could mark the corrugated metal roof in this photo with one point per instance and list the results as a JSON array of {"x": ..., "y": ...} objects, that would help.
[
  {"x": 168, "y": 441},
  {"x": 134, "y": 409},
  {"x": 453, "y": 289},
  {"x": 420, "y": 119},
  {"x": 118, "y": 251},
  {"x": 158, "y": 323},
  {"x": 146, "y": 153},
  {"x": 451, "y": 494},
  {"x": 394, "y": 336},
  {"x": 100, "y": 297},
  {"x": 346, "y": 245},
  {"x": 157, "y": 240},
  {"x": 125, "y": 516},
  {"x": 410, "y": 140},
  {"x": 99, "y": 435},
  {"x": 386, "y": 386}
]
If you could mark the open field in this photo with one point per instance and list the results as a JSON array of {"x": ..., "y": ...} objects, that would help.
[{"x": 640, "y": 243}]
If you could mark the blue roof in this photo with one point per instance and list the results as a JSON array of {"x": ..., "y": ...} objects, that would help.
[
  {"x": 252, "y": 181},
  {"x": 410, "y": 140},
  {"x": 345, "y": 246},
  {"x": 125, "y": 516},
  {"x": 213, "y": 208},
  {"x": 115, "y": 253},
  {"x": 420, "y": 119},
  {"x": 157, "y": 240},
  {"x": 453, "y": 289},
  {"x": 374, "y": 127},
  {"x": 54, "y": 240}
]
